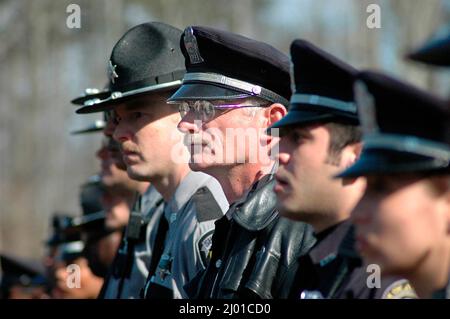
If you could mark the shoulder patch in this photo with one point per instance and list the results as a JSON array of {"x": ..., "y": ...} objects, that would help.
[
  {"x": 206, "y": 205},
  {"x": 204, "y": 245},
  {"x": 400, "y": 289}
]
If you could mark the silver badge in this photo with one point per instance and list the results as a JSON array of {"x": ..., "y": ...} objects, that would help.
[
  {"x": 112, "y": 71},
  {"x": 190, "y": 43},
  {"x": 366, "y": 108}
]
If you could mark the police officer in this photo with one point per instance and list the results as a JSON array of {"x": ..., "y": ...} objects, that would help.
[
  {"x": 403, "y": 220},
  {"x": 100, "y": 239},
  {"x": 320, "y": 137},
  {"x": 70, "y": 260},
  {"x": 88, "y": 242},
  {"x": 129, "y": 271},
  {"x": 233, "y": 90},
  {"x": 145, "y": 67}
]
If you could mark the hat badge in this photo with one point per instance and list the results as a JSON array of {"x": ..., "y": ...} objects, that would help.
[
  {"x": 112, "y": 74},
  {"x": 191, "y": 45},
  {"x": 366, "y": 108}
]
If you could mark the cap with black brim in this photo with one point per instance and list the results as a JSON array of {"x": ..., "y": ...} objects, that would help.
[
  {"x": 306, "y": 114},
  {"x": 226, "y": 66},
  {"x": 405, "y": 129},
  {"x": 380, "y": 161},
  {"x": 319, "y": 99}
]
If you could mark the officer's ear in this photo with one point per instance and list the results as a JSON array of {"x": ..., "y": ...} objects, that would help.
[
  {"x": 274, "y": 113},
  {"x": 350, "y": 154}
]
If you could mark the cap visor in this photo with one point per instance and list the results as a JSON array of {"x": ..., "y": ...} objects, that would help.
[
  {"x": 204, "y": 91},
  {"x": 301, "y": 118},
  {"x": 389, "y": 162}
]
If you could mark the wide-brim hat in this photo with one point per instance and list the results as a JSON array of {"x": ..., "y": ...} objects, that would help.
[{"x": 146, "y": 59}]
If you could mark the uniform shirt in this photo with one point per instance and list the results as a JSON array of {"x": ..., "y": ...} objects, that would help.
[
  {"x": 252, "y": 248},
  {"x": 130, "y": 267},
  {"x": 198, "y": 201},
  {"x": 334, "y": 270}
]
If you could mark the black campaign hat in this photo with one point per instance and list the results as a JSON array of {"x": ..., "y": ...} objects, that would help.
[
  {"x": 224, "y": 66},
  {"x": 405, "y": 129},
  {"x": 91, "y": 96},
  {"x": 436, "y": 51},
  {"x": 323, "y": 88},
  {"x": 92, "y": 221},
  {"x": 60, "y": 222},
  {"x": 146, "y": 59}
]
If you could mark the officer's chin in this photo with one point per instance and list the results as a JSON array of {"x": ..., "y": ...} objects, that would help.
[
  {"x": 134, "y": 174},
  {"x": 199, "y": 166},
  {"x": 286, "y": 212}
]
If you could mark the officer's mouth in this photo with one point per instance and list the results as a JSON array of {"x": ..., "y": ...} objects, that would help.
[
  {"x": 130, "y": 157},
  {"x": 281, "y": 185}
]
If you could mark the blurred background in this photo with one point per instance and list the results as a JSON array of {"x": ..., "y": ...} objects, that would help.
[{"x": 44, "y": 64}]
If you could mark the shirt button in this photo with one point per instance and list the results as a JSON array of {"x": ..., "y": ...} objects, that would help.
[{"x": 218, "y": 263}]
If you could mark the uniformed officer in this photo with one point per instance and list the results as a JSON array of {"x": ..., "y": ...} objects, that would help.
[
  {"x": 100, "y": 238},
  {"x": 70, "y": 251},
  {"x": 319, "y": 138},
  {"x": 86, "y": 241},
  {"x": 234, "y": 88},
  {"x": 71, "y": 261},
  {"x": 130, "y": 267},
  {"x": 145, "y": 67},
  {"x": 403, "y": 220}
]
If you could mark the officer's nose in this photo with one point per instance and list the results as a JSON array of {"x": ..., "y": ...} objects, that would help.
[
  {"x": 110, "y": 127},
  {"x": 283, "y": 154},
  {"x": 188, "y": 124},
  {"x": 121, "y": 133}
]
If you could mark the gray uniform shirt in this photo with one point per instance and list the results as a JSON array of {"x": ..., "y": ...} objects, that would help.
[
  {"x": 151, "y": 207},
  {"x": 198, "y": 201}
]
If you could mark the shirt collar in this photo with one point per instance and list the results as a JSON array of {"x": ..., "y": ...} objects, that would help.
[
  {"x": 328, "y": 243},
  {"x": 187, "y": 187}
]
